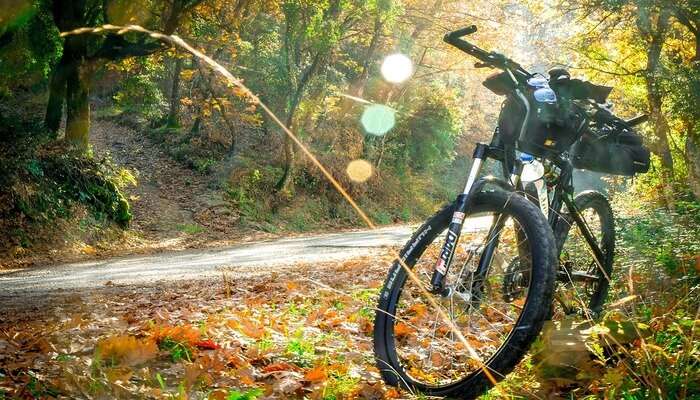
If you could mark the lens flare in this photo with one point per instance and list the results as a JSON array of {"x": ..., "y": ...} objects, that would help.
[
  {"x": 378, "y": 119},
  {"x": 359, "y": 170},
  {"x": 397, "y": 68}
]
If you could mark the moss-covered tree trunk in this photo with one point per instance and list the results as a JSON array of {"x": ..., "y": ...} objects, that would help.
[
  {"x": 57, "y": 96},
  {"x": 78, "y": 106},
  {"x": 174, "y": 111},
  {"x": 319, "y": 60},
  {"x": 653, "y": 28},
  {"x": 70, "y": 84},
  {"x": 285, "y": 182},
  {"x": 692, "y": 156}
]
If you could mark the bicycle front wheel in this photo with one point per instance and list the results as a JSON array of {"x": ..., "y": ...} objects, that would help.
[{"x": 499, "y": 290}]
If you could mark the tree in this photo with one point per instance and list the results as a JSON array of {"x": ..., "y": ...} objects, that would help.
[
  {"x": 620, "y": 31},
  {"x": 653, "y": 24},
  {"x": 686, "y": 90},
  {"x": 82, "y": 54},
  {"x": 312, "y": 31},
  {"x": 29, "y": 45}
]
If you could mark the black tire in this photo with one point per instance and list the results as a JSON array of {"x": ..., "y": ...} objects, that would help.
[
  {"x": 527, "y": 326},
  {"x": 592, "y": 203}
]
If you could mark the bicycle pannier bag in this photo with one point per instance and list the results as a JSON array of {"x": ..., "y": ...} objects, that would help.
[{"x": 620, "y": 153}]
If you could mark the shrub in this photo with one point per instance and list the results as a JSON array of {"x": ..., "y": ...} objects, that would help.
[
  {"x": 44, "y": 181},
  {"x": 140, "y": 95}
]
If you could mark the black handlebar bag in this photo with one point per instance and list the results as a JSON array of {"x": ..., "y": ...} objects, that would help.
[
  {"x": 550, "y": 128},
  {"x": 611, "y": 151}
]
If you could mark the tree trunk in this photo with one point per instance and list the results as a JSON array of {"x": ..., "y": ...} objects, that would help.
[
  {"x": 358, "y": 88},
  {"x": 77, "y": 106},
  {"x": 196, "y": 126},
  {"x": 57, "y": 95},
  {"x": 692, "y": 155},
  {"x": 656, "y": 38},
  {"x": 174, "y": 111},
  {"x": 285, "y": 182},
  {"x": 661, "y": 145}
]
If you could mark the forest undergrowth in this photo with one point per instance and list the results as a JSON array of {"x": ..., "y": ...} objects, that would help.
[{"x": 305, "y": 332}]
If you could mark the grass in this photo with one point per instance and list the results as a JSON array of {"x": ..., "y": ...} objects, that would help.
[
  {"x": 190, "y": 229},
  {"x": 251, "y": 394},
  {"x": 301, "y": 351}
]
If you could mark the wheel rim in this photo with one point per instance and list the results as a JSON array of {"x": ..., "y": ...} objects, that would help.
[{"x": 485, "y": 311}]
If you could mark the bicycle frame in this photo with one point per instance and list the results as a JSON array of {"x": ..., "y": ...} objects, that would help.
[{"x": 563, "y": 194}]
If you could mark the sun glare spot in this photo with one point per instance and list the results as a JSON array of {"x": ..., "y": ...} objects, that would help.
[
  {"x": 397, "y": 68},
  {"x": 359, "y": 170},
  {"x": 378, "y": 119}
]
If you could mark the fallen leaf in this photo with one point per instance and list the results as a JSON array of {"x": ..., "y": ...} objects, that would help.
[
  {"x": 279, "y": 366},
  {"x": 402, "y": 329},
  {"x": 126, "y": 350},
  {"x": 206, "y": 344},
  {"x": 287, "y": 385},
  {"x": 316, "y": 374}
]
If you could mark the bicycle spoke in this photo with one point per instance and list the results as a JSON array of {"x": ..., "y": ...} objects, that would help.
[{"x": 482, "y": 317}]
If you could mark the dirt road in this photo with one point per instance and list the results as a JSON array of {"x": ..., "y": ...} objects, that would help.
[{"x": 239, "y": 260}]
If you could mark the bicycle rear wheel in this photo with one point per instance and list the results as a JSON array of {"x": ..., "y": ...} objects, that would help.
[
  {"x": 498, "y": 308},
  {"x": 583, "y": 284}
]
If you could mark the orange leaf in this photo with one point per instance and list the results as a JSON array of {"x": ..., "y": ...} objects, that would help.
[
  {"x": 126, "y": 350},
  {"x": 316, "y": 374},
  {"x": 206, "y": 344},
  {"x": 418, "y": 309},
  {"x": 279, "y": 366},
  {"x": 183, "y": 334},
  {"x": 402, "y": 329}
]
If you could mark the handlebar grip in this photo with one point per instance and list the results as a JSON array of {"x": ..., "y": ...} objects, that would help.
[{"x": 462, "y": 32}]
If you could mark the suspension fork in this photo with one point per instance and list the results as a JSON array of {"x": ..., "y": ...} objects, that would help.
[
  {"x": 493, "y": 237},
  {"x": 462, "y": 205}
]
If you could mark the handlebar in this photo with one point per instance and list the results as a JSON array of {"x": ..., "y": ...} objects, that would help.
[
  {"x": 487, "y": 58},
  {"x": 463, "y": 32}
]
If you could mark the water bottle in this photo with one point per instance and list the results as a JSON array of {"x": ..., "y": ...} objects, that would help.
[{"x": 533, "y": 171}]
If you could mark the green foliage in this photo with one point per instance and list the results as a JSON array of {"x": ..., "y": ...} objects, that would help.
[
  {"x": 339, "y": 386},
  {"x": 305, "y": 214},
  {"x": 34, "y": 46},
  {"x": 433, "y": 127},
  {"x": 190, "y": 229},
  {"x": 42, "y": 183},
  {"x": 667, "y": 239},
  {"x": 248, "y": 192},
  {"x": 301, "y": 351},
  {"x": 426, "y": 135},
  {"x": 178, "y": 351},
  {"x": 140, "y": 95},
  {"x": 251, "y": 394}
]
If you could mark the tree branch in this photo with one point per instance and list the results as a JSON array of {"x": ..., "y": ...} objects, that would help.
[{"x": 116, "y": 47}]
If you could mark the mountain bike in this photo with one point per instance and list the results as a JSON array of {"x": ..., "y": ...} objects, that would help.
[{"x": 511, "y": 257}]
